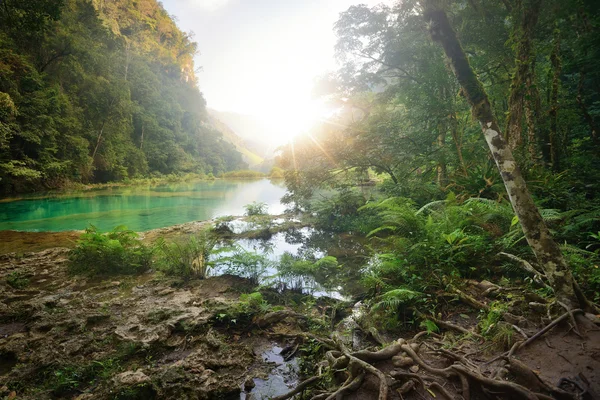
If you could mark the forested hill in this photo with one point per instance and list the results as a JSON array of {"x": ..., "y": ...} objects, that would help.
[{"x": 99, "y": 91}]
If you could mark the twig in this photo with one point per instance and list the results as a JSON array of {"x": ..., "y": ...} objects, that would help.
[{"x": 540, "y": 333}]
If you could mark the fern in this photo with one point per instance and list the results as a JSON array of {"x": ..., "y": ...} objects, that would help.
[
  {"x": 431, "y": 205},
  {"x": 395, "y": 298}
]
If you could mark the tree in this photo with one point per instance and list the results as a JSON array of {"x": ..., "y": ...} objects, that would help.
[{"x": 536, "y": 232}]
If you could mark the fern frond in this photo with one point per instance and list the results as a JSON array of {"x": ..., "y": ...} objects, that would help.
[{"x": 433, "y": 204}]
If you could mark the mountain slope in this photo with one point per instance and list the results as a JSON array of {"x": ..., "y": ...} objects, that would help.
[
  {"x": 252, "y": 130},
  {"x": 229, "y": 135},
  {"x": 100, "y": 91}
]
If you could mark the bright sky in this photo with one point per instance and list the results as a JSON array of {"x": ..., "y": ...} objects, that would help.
[{"x": 260, "y": 57}]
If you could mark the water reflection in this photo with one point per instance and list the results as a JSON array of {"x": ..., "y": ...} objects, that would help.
[
  {"x": 140, "y": 208},
  {"x": 261, "y": 260}
]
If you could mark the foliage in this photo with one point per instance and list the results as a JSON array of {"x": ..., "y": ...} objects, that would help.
[
  {"x": 404, "y": 139},
  {"x": 100, "y": 91},
  {"x": 116, "y": 252},
  {"x": 393, "y": 299},
  {"x": 243, "y": 174},
  {"x": 293, "y": 271},
  {"x": 187, "y": 259},
  {"x": 256, "y": 208},
  {"x": 342, "y": 212},
  {"x": 17, "y": 280},
  {"x": 247, "y": 264},
  {"x": 241, "y": 312}
]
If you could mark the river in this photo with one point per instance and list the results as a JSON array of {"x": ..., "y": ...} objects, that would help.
[{"x": 140, "y": 208}]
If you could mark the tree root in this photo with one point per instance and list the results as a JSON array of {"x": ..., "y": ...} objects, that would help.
[
  {"x": 551, "y": 325},
  {"x": 448, "y": 325},
  {"x": 358, "y": 364},
  {"x": 303, "y": 385}
]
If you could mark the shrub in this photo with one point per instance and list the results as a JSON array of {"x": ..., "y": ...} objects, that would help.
[
  {"x": 247, "y": 264},
  {"x": 188, "y": 259},
  {"x": 116, "y": 252},
  {"x": 17, "y": 280},
  {"x": 243, "y": 174},
  {"x": 256, "y": 208}
]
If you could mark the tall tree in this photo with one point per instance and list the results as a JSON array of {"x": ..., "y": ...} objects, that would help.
[{"x": 536, "y": 232}]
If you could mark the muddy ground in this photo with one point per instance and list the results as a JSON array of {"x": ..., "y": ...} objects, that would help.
[
  {"x": 148, "y": 336},
  {"x": 127, "y": 337}
]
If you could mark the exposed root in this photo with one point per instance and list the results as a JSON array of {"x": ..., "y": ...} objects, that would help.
[
  {"x": 432, "y": 380},
  {"x": 301, "y": 387},
  {"x": 448, "y": 325},
  {"x": 551, "y": 325}
]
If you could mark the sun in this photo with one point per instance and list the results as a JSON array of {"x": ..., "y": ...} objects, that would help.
[{"x": 293, "y": 118}]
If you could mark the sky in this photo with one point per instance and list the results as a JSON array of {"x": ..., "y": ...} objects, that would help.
[{"x": 260, "y": 57}]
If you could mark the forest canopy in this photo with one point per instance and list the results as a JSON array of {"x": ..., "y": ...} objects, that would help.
[{"x": 97, "y": 91}]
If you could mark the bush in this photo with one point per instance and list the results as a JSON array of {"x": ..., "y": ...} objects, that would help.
[
  {"x": 243, "y": 174},
  {"x": 247, "y": 264},
  {"x": 188, "y": 259},
  {"x": 116, "y": 252},
  {"x": 17, "y": 280},
  {"x": 256, "y": 208}
]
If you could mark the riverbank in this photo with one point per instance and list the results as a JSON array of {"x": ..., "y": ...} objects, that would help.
[
  {"x": 153, "y": 336},
  {"x": 19, "y": 243},
  {"x": 71, "y": 187}
]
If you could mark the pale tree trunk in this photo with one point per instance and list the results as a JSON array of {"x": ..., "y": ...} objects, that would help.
[
  {"x": 99, "y": 141},
  {"x": 441, "y": 167},
  {"x": 536, "y": 232},
  {"x": 142, "y": 138}
]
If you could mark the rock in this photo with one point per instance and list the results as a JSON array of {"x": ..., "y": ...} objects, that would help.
[
  {"x": 534, "y": 297},
  {"x": 130, "y": 378},
  {"x": 538, "y": 307},
  {"x": 95, "y": 318},
  {"x": 414, "y": 369},
  {"x": 594, "y": 318},
  {"x": 165, "y": 292}
]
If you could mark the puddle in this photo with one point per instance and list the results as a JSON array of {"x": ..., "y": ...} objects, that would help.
[{"x": 282, "y": 379}]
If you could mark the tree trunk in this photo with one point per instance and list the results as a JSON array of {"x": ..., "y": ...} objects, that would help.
[
  {"x": 532, "y": 112},
  {"x": 536, "y": 232},
  {"x": 586, "y": 115},
  {"x": 100, "y": 133},
  {"x": 441, "y": 167},
  {"x": 553, "y": 113},
  {"x": 142, "y": 138},
  {"x": 523, "y": 75},
  {"x": 458, "y": 143}
]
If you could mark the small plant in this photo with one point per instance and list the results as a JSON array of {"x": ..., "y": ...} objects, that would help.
[
  {"x": 256, "y": 208},
  {"x": 188, "y": 259},
  {"x": 17, "y": 280},
  {"x": 247, "y": 264},
  {"x": 116, "y": 252}
]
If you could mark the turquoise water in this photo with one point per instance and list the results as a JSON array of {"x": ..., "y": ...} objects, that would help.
[{"x": 140, "y": 208}]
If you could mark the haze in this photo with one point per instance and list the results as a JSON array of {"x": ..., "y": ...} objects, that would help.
[{"x": 260, "y": 57}]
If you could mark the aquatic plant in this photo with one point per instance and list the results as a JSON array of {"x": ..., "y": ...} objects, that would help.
[{"x": 256, "y": 208}]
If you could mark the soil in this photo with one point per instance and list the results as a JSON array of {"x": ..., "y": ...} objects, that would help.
[
  {"x": 147, "y": 336},
  {"x": 127, "y": 337}
]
